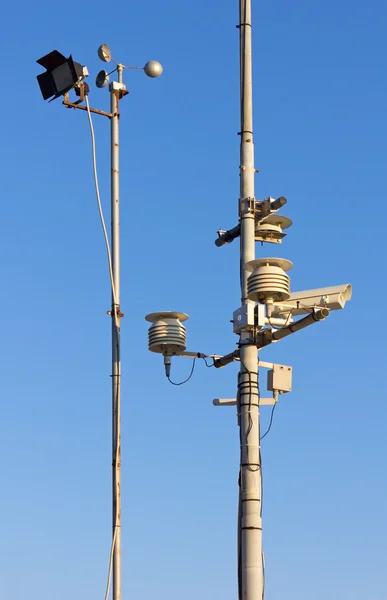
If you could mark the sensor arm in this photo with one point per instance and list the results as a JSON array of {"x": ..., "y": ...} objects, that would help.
[
  {"x": 226, "y": 237},
  {"x": 267, "y": 336},
  {"x": 196, "y": 355},
  {"x": 316, "y": 316},
  {"x": 264, "y": 209},
  {"x": 222, "y": 361},
  {"x": 264, "y": 338}
]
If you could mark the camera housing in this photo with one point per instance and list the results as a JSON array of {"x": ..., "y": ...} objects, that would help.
[{"x": 301, "y": 303}]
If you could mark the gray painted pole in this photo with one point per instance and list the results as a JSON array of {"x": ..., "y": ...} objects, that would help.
[
  {"x": 250, "y": 561},
  {"x": 116, "y": 359}
]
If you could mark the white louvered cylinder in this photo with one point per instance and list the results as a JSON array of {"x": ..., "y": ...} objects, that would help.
[
  {"x": 268, "y": 281},
  {"x": 167, "y": 334}
]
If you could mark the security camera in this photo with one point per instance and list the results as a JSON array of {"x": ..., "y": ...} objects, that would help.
[{"x": 301, "y": 303}]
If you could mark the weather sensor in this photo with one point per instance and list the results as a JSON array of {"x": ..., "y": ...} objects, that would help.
[
  {"x": 167, "y": 334},
  {"x": 104, "y": 53},
  {"x": 102, "y": 79},
  {"x": 268, "y": 282},
  {"x": 153, "y": 68},
  {"x": 271, "y": 229}
]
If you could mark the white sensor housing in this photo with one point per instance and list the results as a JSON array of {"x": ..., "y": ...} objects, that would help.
[
  {"x": 268, "y": 282},
  {"x": 270, "y": 229},
  {"x": 167, "y": 335}
]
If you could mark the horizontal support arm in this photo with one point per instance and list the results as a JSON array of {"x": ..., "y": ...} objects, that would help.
[
  {"x": 264, "y": 340},
  {"x": 232, "y": 401},
  {"x": 195, "y": 355},
  {"x": 68, "y": 104},
  {"x": 226, "y": 237},
  {"x": 222, "y": 361}
]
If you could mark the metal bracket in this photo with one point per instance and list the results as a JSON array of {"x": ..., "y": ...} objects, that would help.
[
  {"x": 233, "y": 402},
  {"x": 263, "y": 207},
  {"x": 81, "y": 92},
  {"x": 95, "y": 111},
  {"x": 279, "y": 381},
  {"x": 243, "y": 318},
  {"x": 246, "y": 206},
  {"x": 119, "y": 313}
]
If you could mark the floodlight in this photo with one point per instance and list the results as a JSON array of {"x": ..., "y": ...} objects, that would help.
[
  {"x": 153, "y": 68},
  {"x": 61, "y": 75}
]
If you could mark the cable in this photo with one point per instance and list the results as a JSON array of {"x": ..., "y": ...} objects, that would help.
[
  {"x": 274, "y": 326},
  {"x": 188, "y": 378},
  {"x": 290, "y": 314},
  {"x": 99, "y": 201},
  {"x": 110, "y": 564},
  {"x": 207, "y": 365},
  {"x": 270, "y": 423},
  {"x": 118, "y": 340}
]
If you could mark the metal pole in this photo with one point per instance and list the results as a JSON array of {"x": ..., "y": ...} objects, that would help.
[
  {"x": 116, "y": 359},
  {"x": 250, "y": 560}
]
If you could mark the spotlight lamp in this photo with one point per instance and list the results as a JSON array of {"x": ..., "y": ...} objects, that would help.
[{"x": 62, "y": 74}]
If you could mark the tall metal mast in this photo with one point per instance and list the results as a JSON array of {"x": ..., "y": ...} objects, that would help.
[
  {"x": 52, "y": 84},
  {"x": 250, "y": 561},
  {"x": 116, "y": 314},
  {"x": 117, "y": 91},
  {"x": 267, "y": 314}
]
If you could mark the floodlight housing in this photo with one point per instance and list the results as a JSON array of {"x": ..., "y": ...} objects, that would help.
[{"x": 61, "y": 75}]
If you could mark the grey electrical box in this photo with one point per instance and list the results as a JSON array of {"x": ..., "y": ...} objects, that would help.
[
  {"x": 279, "y": 379},
  {"x": 243, "y": 318}
]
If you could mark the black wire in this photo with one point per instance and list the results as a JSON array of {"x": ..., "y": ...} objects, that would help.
[
  {"x": 274, "y": 326},
  {"x": 286, "y": 322},
  {"x": 188, "y": 378},
  {"x": 249, "y": 384},
  {"x": 207, "y": 365},
  {"x": 270, "y": 423},
  {"x": 244, "y": 366}
]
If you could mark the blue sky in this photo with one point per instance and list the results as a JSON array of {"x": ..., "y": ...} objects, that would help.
[{"x": 320, "y": 131}]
